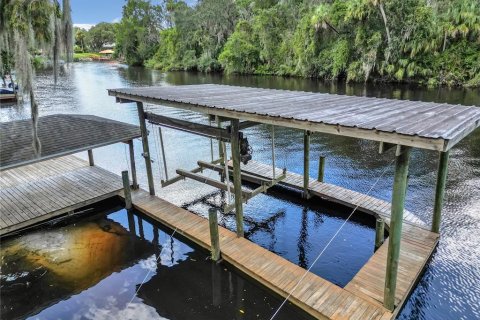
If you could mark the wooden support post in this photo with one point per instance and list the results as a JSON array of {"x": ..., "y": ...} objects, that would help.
[
  {"x": 126, "y": 190},
  {"x": 379, "y": 233},
  {"x": 440, "y": 191},
  {"x": 214, "y": 236},
  {"x": 131, "y": 222},
  {"x": 321, "y": 169},
  {"x": 216, "y": 284},
  {"x": 164, "y": 156},
  {"x": 398, "y": 204},
  {"x": 306, "y": 163},
  {"x": 90, "y": 158},
  {"x": 141, "y": 233},
  {"x": 220, "y": 148},
  {"x": 146, "y": 149},
  {"x": 237, "y": 180},
  {"x": 132, "y": 165}
]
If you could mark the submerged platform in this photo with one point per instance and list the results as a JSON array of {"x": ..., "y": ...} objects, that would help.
[{"x": 50, "y": 188}]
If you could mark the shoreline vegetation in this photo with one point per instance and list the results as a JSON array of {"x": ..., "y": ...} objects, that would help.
[
  {"x": 429, "y": 43},
  {"x": 87, "y": 56}
]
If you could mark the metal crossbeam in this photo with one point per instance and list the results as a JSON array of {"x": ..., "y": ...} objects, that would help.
[{"x": 186, "y": 126}]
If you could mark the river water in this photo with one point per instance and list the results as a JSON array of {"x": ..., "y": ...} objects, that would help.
[{"x": 278, "y": 221}]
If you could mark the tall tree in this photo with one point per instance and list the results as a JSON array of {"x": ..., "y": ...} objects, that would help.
[
  {"x": 138, "y": 31},
  {"x": 99, "y": 35},
  {"x": 29, "y": 25}
]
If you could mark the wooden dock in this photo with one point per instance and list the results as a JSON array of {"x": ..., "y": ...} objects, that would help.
[
  {"x": 417, "y": 243},
  {"x": 362, "y": 298},
  {"x": 330, "y": 192},
  {"x": 315, "y": 295},
  {"x": 48, "y": 189}
]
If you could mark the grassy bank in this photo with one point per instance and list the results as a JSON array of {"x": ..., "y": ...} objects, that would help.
[{"x": 86, "y": 56}]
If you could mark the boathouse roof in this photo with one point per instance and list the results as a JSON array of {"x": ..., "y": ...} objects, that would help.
[
  {"x": 426, "y": 125},
  {"x": 59, "y": 134}
]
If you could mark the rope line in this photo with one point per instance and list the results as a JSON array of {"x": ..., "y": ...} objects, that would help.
[
  {"x": 157, "y": 153},
  {"x": 149, "y": 271},
  {"x": 327, "y": 245}
]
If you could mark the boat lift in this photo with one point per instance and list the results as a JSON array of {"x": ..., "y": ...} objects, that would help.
[{"x": 220, "y": 165}]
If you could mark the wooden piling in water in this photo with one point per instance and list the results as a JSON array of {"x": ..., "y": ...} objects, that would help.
[
  {"x": 90, "y": 158},
  {"x": 306, "y": 163},
  {"x": 237, "y": 180},
  {"x": 146, "y": 149},
  {"x": 398, "y": 204},
  {"x": 214, "y": 235},
  {"x": 126, "y": 190},
  {"x": 440, "y": 191},
  {"x": 132, "y": 164},
  {"x": 379, "y": 233},
  {"x": 321, "y": 169},
  {"x": 141, "y": 233}
]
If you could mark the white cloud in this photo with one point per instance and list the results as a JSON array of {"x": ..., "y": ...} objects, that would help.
[
  {"x": 85, "y": 26},
  {"x": 117, "y": 19}
]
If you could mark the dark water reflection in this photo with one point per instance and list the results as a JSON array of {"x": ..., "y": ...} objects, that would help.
[
  {"x": 450, "y": 288},
  {"x": 121, "y": 266}
]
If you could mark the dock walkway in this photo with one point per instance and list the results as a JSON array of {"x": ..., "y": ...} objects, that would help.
[
  {"x": 53, "y": 187},
  {"x": 330, "y": 192},
  {"x": 44, "y": 190},
  {"x": 315, "y": 295},
  {"x": 417, "y": 243}
]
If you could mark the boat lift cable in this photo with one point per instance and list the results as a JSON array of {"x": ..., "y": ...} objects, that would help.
[
  {"x": 273, "y": 152},
  {"x": 227, "y": 175},
  {"x": 163, "y": 151},
  {"x": 211, "y": 140},
  {"x": 127, "y": 163},
  {"x": 157, "y": 153},
  {"x": 149, "y": 271},
  {"x": 328, "y": 244}
]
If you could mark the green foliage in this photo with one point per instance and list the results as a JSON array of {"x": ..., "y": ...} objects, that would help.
[
  {"x": 99, "y": 35},
  {"x": 85, "y": 56},
  {"x": 137, "y": 34},
  {"x": 240, "y": 54},
  {"x": 432, "y": 42}
]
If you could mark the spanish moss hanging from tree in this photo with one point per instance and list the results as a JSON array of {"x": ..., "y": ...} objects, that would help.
[{"x": 26, "y": 27}]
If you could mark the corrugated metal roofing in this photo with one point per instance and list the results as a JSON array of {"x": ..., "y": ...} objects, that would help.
[
  {"x": 59, "y": 135},
  {"x": 428, "y": 125}
]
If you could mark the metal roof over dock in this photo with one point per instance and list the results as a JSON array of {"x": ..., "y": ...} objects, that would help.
[
  {"x": 426, "y": 125},
  {"x": 59, "y": 134}
]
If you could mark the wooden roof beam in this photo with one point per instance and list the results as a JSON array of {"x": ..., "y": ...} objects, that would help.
[{"x": 190, "y": 127}]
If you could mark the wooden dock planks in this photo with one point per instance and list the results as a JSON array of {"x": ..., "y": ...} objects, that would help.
[
  {"x": 330, "y": 192},
  {"x": 417, "y": 244},
  {"x": 44, "y": 190},
  {"x": 315, "y": 295}
]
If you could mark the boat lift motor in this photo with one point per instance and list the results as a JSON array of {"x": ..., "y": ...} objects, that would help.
[{"x": 245, "y": 149}]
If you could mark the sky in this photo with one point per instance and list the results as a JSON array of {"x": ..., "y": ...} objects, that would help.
[{"x": 86, "y": 13}]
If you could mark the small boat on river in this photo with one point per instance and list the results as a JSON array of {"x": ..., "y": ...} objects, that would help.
[{"x": 8, "y": 96}]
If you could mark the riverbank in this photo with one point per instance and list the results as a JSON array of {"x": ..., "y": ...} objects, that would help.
[{"x": 90, "y": 56}]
